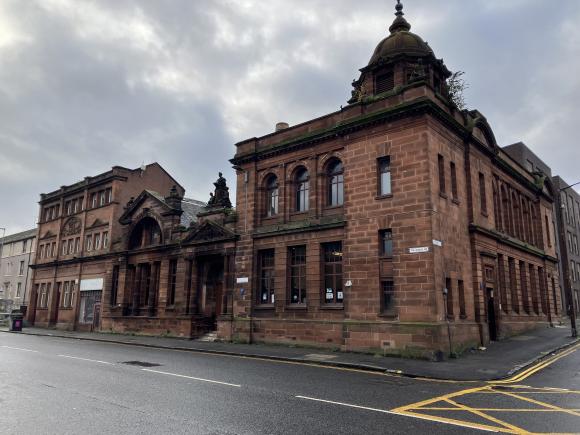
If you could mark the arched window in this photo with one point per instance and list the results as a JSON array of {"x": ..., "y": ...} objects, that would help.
[
  {"x": 146, "y": 233},
  {"x": 335, "y": 183},
  {"x": 271, "y": 196},
  {"x": 302, "y": 190}
]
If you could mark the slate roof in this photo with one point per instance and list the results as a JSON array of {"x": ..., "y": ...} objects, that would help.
[
  {"x": 19, "y": 236},
  {"x": 191, "y": 207}
]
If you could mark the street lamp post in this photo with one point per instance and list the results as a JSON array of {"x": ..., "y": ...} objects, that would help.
[{"x": 2, "y": 245}]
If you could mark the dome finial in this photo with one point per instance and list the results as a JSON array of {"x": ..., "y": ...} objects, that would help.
[
  {"x": 399, "y": 8},
  {"x": 400, "y": 23}
]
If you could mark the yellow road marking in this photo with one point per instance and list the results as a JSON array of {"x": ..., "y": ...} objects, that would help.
[
  {"x": 537, "y": 402},
  {"x": 535, "y": 368},
  {"x": 442, "y": 408},
  {"x": 438, "y": 399},
  {"x": 453, "y": 422},
  {"x": 515, "y": 429},
  {"x": 414, "y": 409}
]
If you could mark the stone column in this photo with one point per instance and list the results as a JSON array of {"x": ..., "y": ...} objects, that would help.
[
  {"x": 136, "y": 290},
  {"x": 153, "y": 289}
]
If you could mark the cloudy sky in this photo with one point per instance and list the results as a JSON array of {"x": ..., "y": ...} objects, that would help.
[{"x": 85, "y": 85}]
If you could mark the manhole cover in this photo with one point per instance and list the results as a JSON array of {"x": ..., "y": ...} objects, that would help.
[{"x": 140, "y": 363}]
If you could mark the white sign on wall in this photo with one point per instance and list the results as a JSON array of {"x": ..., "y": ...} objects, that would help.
[
  {"x": 92, "y": 284},
  {"x": 242, "y": 280},
  {"x": 419, "y": 250}
]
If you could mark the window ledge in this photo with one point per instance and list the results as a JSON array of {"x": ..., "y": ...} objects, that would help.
[
  {"x": 463, "y": 316},
  {"x": 65, "y": 308},
  {"x": 333, "y": 207},
  {"x": 443, "y": 195},
  {"x": 450, "y": 317},
  {"x": 298, "y": 307},
  {"x": 389, "y": 316},
  {"x": 387, "y": 196},
  {"x": 264, "y": 307},
  {"x": 455, "y": 201},
  {"x": 484, "y": 213},
  {"x": 299, "y": 213},
  {"x": 332, "y": 307}
]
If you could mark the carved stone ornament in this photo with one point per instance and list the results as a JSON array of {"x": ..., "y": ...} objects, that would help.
[
  {"x": 221, "y": 196},
  {"x": 71, "y": 227}
]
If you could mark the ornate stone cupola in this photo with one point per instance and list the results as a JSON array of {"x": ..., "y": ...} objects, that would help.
[{"x": 401, "y": 59}]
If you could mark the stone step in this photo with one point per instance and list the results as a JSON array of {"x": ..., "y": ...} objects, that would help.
[{"x": 209, "y": 337}]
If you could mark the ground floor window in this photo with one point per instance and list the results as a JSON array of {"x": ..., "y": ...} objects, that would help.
[
  {"x": 87, "y": 312},
  {"x": 388, "y": 297},
  {"x": 297, "y": 274},
  {"x": 332, "y": 273},
  {"x": 266, "y": 274}
]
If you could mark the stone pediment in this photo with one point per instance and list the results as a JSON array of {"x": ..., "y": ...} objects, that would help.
[
  {"x": 48, "y": 235},
  {"x": 98, "y": 223},
  {"x": 71, "y": 227},
  {"x": 146, "y": 201},
  {"x": 208, "y": 232}
]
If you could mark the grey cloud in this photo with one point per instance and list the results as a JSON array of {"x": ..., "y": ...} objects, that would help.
[{"x": 87, "y": 85}]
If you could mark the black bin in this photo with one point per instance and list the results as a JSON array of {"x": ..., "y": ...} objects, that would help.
[{"x": 16, "y": 319}]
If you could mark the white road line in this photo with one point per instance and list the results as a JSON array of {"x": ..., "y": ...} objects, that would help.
[
  {"x": 191, "y": 377},
  {"x": 350, "y": 405},
  {"x": 19, "y": 348},
  {"x": 384, "y": 411},
  {"x": 86, "y": 359}
]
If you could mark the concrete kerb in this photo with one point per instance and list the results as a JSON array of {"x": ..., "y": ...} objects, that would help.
[{"x": 333, "y": 364}]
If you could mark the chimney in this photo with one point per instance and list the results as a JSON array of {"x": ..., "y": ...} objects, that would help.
[{"x": 282, "y": 126}]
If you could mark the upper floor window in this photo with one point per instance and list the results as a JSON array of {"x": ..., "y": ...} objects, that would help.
[
  {"x": 386, "y": 243},
  {"x": 384, "y": 165},
  {"x": 335, "y": 176},
  {"x": 441, "y": 167},
  {"x": 482, "y": 194},
  {"x": 385, "y": 82},
  {"x": 271, "y": 196},
  {"x": 302, "y": 190},
  {"x": 146, "y": 233},
  {"x": 453, "y": 180},
  {"x": 93, "y": 200},
  {"x": 24, "y": 246}
]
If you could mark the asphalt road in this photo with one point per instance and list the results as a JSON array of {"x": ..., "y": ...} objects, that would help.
[{"x": 63, "y": 386}]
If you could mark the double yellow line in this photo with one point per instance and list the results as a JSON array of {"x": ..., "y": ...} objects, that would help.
[{"x": 537, "y": 367}]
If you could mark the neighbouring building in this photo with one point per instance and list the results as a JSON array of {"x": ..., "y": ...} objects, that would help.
[
  {"x": 16, "y": 254},
  {"x": 78, "y": 229},
  {"x": 567, "y": 207},
  {"x": 565, "y": 224}
]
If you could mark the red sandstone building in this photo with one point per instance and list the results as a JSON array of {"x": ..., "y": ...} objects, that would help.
[
  {"x": 78, "y": 229},
  {"x": 375, "y": 227},
  {"x": 395, "y": 225}
]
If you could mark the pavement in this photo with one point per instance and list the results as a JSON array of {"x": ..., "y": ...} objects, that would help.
[{"x": 499, "y": 360}]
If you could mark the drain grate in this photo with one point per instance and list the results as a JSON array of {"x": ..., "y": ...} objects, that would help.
[{"x": 141, "y": 363}]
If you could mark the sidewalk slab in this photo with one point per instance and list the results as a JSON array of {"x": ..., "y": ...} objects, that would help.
[{"x": 500, "y": 360}]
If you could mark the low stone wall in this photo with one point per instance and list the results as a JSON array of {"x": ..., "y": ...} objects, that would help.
[{"x": 415, "y": 340}]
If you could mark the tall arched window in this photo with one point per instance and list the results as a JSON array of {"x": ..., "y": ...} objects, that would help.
[
  {"x": 146, "y": 233},
  {"x": 302, "y": 190},
  {"x": 335, "y": 183},
  {"x": 271, "y": 196}
]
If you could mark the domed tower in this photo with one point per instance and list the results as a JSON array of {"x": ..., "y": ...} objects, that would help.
[{"x": 401, "y": 59}]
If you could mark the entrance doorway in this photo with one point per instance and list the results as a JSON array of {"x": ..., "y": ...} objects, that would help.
[
  {"x": 210, "y": 293},
  {"x": 491, "y": 319}
]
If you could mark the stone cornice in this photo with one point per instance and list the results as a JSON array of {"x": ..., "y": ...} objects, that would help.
[{"x": 507, "y": 240}]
